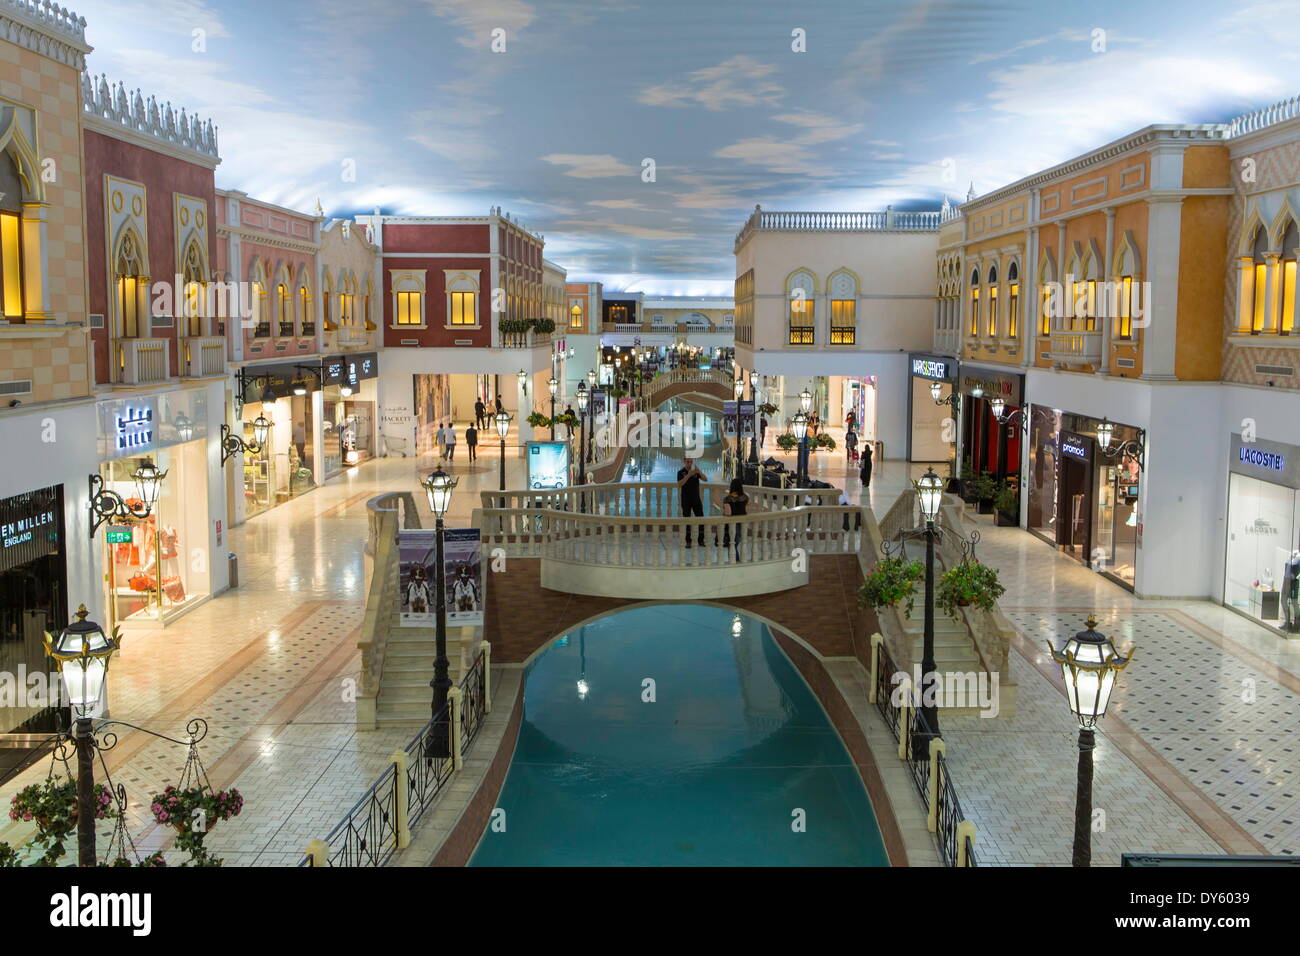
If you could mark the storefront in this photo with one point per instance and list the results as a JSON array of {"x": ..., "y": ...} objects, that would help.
[
  {"x": 1262, "y": 565},
  {"x": 990, "y": 445},
  {"x": 348, "y": 404},
  {"x": 33, "y": 600},
  {"x": 158, "y": 566},
  {"x": 855, "y": 397},
  {"x": 284, "y": 467},
  {"x": 1083, "y": 498},
  {"x": 932, "y": 433}
]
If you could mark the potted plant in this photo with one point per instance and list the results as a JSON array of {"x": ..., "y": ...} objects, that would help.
[
  {"x": 983, "y": 489},
  {"x": 890, "y": 581},
  {"x": 969, "y": 584},
  {"x": 8, "y": 855},
  {"x": 193, "y": 811},
  {"x": 787, "y": 442},
  {"x": 822, "y": 441},
  {"x": 1006, "y": 506},
  {"x": 767, "y": 408},
  {"x": 964, "y": 482},
  {"x": 543, "y": 326},
  {"x": 538, "y": 420},
  {"x": 52, "y": 806}
]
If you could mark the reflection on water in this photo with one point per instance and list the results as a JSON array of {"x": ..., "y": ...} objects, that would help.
[{"x": 662, "y": 464}]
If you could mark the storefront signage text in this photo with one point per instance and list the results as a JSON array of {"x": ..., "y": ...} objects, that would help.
[
  {"x": 929, "y": 368},
  {"x": 134, "y": 428},
  {"x": 21, "y": 530},
  {"x": 1262, "y": 459},
  {"x": 1074, "y": 446}
]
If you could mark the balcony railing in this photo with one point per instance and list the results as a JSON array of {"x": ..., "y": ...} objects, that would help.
[
  {"x": 843, "y": 335},
  {"x": 801, "y": 336},
  {"x": 286, "y": 330},
  {"x": 351, "y": 336},
  {"x": 262, "y": 330},
  {"x": 887, "y": 221},
  {"x": 143, "y": 361},
  {"x": 203, "y": 355},
  {"x": 308, "y": 329},
  {"x": 1075, "y": 348}
]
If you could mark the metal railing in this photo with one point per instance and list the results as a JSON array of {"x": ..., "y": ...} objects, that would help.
[{"x": 379, "y": 823}]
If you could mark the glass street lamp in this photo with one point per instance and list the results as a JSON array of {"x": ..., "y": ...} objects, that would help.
[
  {"x": 523, "y": 381},
  {"x": 1089, "y": 666},
  {"x": 929, "y": 495},
  {"x": 261, "y": 431},
  {"x": 1105, "y": 433},
  {"x": 805, "y": 400},
  {"x": 999, "y": 406},
  {"x": 81, "y": 653},
  {"x": 106, "y": 503},
  {"x": 799, "y": 425},
  {"x": 739, "y": 387},
  {"x": 232, "y": 444},
  {"x": 753, "y": 380},
  {"x": 502, "y": 420},
  {"x": 438, "y": 487},
  {"x": 591, "y": 377},
  {"x": 552, "y": 385},
  {"x": 184, "y": 428},
  {"x": 936, "y": 390},
  {"x": 977, "y": 390},
  {"x": 584, "y": 398}
]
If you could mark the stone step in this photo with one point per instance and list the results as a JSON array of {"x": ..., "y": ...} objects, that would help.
[
  {"x": 404, "y": 708},
  {"x": 402, "y": 680}
]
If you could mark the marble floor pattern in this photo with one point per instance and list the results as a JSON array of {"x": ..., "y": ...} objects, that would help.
[{"x": 1198, "y": 755}]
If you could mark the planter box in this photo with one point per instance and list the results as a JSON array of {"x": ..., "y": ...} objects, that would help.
[
  {"x": 1007, "y": 521},
  {"x": 986, "y": 507}
]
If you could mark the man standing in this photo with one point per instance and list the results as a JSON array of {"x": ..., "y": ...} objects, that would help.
[
  {"x": 471, "y": 442},
  {"x": 479, "y": 411},
  {"x": 688, "y": 480},
  {"x": 451, "y": 441}
]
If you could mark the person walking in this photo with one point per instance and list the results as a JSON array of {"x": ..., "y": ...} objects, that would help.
[
  {"x": 440, "y": 436},
  {"x": 851, "y": 443},
  {"x": 451, "y": 441},
  {"x": 480, "y": 412},
  {"x": 500, "y": 408},
  {"x": 568, "y": 429},
  {"x": 688, "y": 480},
  {"x": 471, "y": 442},
  {"x": 865, "y": 473},
  {"x": 762, "y": 431},
  {"x": 851, "y": 422},
  {"x": 734, "y": 505}
]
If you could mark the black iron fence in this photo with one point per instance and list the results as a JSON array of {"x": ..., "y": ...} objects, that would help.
[
  {"x": 908, "y": 725},
  {"x": 368, "y": 834}
]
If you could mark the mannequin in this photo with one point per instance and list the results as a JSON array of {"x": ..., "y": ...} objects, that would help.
[{"x": 1291, "y": 591}]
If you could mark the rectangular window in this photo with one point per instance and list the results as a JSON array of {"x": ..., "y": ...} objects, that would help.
[
  {"x": 1287, "y": 322},
  {"x": 11, "y": 268},
  {"x": 409, "y": 311},
  {"x": 1257, "y": 320},
  {"x": 128, "y": 305},
  {"x": 194, "y": 298},
  {"x": 1124, "y": 320},
  {"x": 462, "y": 309},
  {"x": 286, "y": 315},
  {"x": 974, "y": 312},
  {"x": 1013, "y": 311},
  {"x": 844, "y": 323},
  {"x": 1090, "y": 320},
  {"x": 802, "y": 314},
  {"x": 1045, "y": 314},
  {"x": 993, "y": 312}
]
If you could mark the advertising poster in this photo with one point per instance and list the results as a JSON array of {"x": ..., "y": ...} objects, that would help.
[
  {"x": 463, "y": 573},
  {"x": 597, "y": 402},
  {"x": 548, "y": 464}
]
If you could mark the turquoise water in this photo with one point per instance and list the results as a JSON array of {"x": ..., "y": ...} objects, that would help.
[{"x": 709, "y": 774}]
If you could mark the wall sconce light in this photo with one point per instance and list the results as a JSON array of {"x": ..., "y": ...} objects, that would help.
[{"x": 106, "y": 504}]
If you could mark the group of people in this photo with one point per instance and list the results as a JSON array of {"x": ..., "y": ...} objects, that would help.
[
  {"x": 734, "y": 505},
  {"x": 445, "y": 436}
]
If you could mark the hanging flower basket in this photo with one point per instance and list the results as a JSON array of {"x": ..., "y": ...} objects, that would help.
[
  {"x": 182, "y": 808},
  {"x": 891, "y": 581},
  {"x": 969, "y": 584}
]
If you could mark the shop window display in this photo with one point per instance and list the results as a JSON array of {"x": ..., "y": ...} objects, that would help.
[
  {"x": 283, "y": 467},
  {"x": 1262, "y": 577},
  {"x": 1043, "y": 455},
  {"x": 163, "y": 567}
]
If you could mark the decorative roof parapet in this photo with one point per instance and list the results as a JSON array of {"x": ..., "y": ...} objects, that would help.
[
  {"x": 887, "y": 221},
  {"x": 45, "y": 28},
  {"x": 1268, "y": 116},
  {"x": 133, "y": 112}
]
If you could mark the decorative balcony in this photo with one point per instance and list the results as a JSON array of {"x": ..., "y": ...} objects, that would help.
[
  {"x": 203, "y": 355},
  {"x": 1075, "y": 348},
  {"x": 351, "y": 337},
  {"x": 143, "y": 361}
]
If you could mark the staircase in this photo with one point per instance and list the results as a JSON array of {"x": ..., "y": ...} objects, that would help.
[{"x": 404, "y": 690}]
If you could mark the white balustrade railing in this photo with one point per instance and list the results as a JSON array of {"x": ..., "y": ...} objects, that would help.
[
  {"x": 1075, "y": 346},
  {"x": 646, "y": 499},
  {"x": 1262, "y": 118},
  {"x": 887, "y": 221},
  {"x": 203, "y": 355},
  {"x": 143, "y": 361}
]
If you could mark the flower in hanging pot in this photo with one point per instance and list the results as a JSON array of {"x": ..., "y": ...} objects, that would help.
[
  {"x": 890, "y": 581},
  {"x": 969, "y": 584}
]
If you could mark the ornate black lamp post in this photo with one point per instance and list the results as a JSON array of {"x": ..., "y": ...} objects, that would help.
[
  {"x": 502, "y": 419},
  {"x": 929, "y": 494},
  {"x": 232, "y": 444},
  {"x": 81, "y": 653},
  {"x": 799, "y": 425},
  {"x": 1089, "y": 666},
  {"x": 552, "y": 385},
  {"x": 584, "y": 397},
  {"x": 438, "y": 486},
  {"x": 106, "y": 504},
  {"x": 753, "y": 438},
  {"x": 738, "y": 387}
]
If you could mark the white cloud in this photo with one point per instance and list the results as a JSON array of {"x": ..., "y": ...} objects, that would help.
[
  {"x": 616, "y": 203},
  {"x": 176, "y": 17},
  {"x": 774, "y": 155},
  {"x": 478, "y": 18},
  {"x": 737, "y": 82},
  {"x": 591, "y": 165}
]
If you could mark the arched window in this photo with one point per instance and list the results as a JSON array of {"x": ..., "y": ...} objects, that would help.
[
  {"x": 843, "y": 288},
  {"x": 1290, "y": 241},
  {"x": 1046, "y": 284},
  {"x": 284, "y": 309},
  {"x": 260, "y": 317},
  {"x": 11, "y": 238},
  {"x": 132, "y": 286},
  {"x": 975, "y": 303},
  {"x": 575, "y": 316},
  {"x": 1013, "y": 301},
  {"x": 993, "y": 302},
  {"x": 306, "y": 312},
  {"x": 1120, "y": 302},
  {"x": 1259, "y": 260},
  {"x": 801, "y": 288},
  {"x": 194, "y": 282}
]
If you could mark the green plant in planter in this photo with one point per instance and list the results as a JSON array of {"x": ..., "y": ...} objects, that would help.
[
  {"x": 568, "y": 419},
  {"x": 538, "y": 420},
  {"x": 969, "y": 584},
  {"x": 787, "y": 442},
  {"x": 1007, "y": 501},
  {"x": 984, "y": 487},
  {"x": 892, "y": 580},
  {"x": 617, "y": 392},
  {"x": 823, "y": 441},
  {"x": 52, "y": 806},
  {"x": 544, "y": 326},
  {"x": 8, "y": 855},
  {"x": 512, "y": 326}
]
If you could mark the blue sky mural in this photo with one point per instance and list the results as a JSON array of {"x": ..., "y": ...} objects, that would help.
[{"x": 405, "y": 105}]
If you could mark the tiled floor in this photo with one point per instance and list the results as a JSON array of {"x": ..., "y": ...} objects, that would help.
[{"x": 1189, "y": 761}]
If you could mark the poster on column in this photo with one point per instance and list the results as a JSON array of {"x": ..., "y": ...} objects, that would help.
[{"x": 462, "y": 568}]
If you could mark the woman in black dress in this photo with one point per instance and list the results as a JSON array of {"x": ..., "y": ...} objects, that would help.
[{"x": 865, "y": 473}]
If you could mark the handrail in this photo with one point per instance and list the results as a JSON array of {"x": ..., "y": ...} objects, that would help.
[{"x": 660, "y": 497}]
